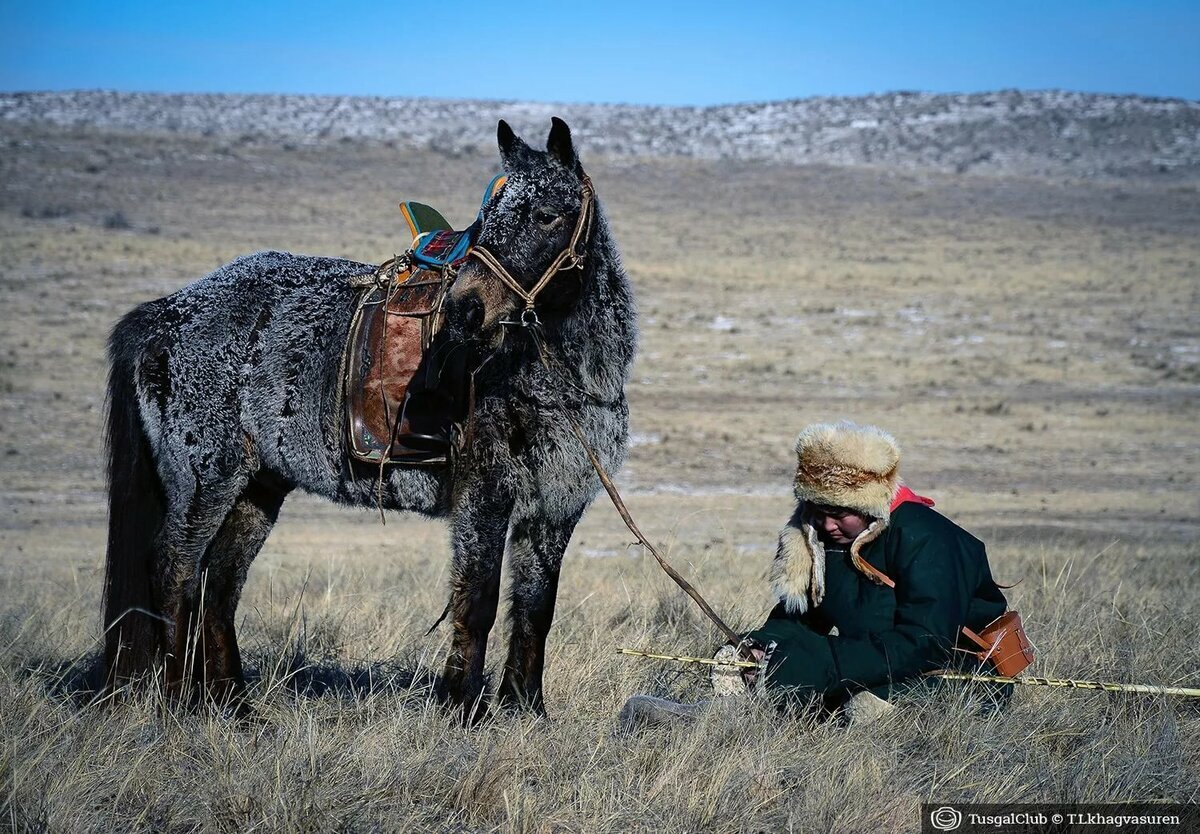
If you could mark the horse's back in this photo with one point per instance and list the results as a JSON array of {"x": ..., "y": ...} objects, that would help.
[
  {"x": 250, "y": 351},
  {"x": 300, "y": 286}
]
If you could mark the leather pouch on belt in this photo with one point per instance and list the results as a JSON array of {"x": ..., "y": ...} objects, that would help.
[{"x": 1003, "y": 642}]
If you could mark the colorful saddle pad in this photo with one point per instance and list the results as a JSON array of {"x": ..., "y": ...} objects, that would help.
[{"x": 438, "y": 250}]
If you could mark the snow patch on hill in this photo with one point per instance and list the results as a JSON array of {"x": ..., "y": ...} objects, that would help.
[{"x": 1050, "y": 133}]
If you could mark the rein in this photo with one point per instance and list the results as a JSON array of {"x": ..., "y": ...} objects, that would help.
[{"x": 534, "y": 329}]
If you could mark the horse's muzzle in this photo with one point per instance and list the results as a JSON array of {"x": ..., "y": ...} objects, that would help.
[{"x": 477, "y": 303}]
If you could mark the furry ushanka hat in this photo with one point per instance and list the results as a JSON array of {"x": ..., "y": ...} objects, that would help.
[{"x": 847, "y": 465}]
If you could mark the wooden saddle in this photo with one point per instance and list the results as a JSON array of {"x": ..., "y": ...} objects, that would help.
[{"x": 398, "y": 313}]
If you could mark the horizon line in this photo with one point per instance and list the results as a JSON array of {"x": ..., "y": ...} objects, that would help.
[{"x": 741, "y": 103}]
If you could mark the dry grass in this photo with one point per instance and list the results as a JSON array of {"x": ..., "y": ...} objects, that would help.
[{"x": 1031, "y": 343}]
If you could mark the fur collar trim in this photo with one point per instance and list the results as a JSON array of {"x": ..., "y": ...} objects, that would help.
[{"x": 798, "y": 572}]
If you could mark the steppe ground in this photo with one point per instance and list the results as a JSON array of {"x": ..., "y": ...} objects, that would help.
[{"x": 1033, "y": 344}]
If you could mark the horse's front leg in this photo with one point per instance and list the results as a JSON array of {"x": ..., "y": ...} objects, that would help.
[
  {"x": 535, "y": 557},
  {"x": 480, "y": 526}
]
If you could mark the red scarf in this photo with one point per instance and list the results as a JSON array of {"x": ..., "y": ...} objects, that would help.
[{"x": 905, "y": 495}]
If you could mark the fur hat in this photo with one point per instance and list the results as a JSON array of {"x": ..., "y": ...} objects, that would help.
[
  {"x": 840, "y": 465},
  {"x": 847, "y": 465}
]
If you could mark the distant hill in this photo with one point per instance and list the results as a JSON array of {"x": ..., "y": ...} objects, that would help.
[{"x": 1048, "y": 133}]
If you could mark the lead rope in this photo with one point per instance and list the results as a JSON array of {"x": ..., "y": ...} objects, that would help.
[
  {"x": 572, "y": 257},
  {"x": 619, "y": 504}
]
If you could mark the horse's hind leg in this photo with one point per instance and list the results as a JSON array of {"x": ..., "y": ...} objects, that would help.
[
  {"x": 535, "y": 556},
  {"x": 195, "y": 513},
  {"x": 234, "y": 547}
]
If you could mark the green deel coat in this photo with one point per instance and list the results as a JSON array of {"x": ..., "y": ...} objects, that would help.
[{"x": 885, "y": 636}]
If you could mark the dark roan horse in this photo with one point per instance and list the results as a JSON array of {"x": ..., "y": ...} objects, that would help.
[{"x": 224, "y": 397}]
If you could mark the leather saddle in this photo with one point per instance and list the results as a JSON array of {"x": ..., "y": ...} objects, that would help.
[{"x": 398, "y": 314}]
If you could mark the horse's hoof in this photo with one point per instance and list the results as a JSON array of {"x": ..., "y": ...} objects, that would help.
[
  {"x": 237, "y": 709},
  {"x": 468, "y": 713},
  {"x": 475, "y": 712},
  {"x": 514, "y": 704}
]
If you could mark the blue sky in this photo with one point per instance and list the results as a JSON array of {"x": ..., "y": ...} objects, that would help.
[{"x": 615, "y": 51}]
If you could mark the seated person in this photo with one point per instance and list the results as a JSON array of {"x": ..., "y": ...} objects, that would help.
[{"x": 874, "y": 586}]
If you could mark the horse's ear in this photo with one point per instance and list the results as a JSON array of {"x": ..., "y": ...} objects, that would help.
[
  {"x": 560, "y": 146},
  {"x": 511, "y": 145}
]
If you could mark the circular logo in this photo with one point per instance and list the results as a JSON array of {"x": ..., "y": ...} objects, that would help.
[{"x": 946, "y": 818}]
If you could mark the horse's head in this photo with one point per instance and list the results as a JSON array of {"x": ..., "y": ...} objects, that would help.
[{"x": 531, "y": 231}]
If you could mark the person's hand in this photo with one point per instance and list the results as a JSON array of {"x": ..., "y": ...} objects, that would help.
[
  {"x": 755, "y": 653},
  {"x": 750, "y": 649}
]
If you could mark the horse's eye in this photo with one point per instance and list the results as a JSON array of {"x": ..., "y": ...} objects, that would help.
[{"x": 544, "y": 217}]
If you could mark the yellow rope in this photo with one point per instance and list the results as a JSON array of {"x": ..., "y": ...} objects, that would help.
[
  {"x": 1067, "y": 683},
  {"x": 1056, "y": 683},
  {"x": 708, "y": 661}
]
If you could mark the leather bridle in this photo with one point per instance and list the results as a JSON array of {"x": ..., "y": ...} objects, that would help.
[{"x": 570, "y": 258}]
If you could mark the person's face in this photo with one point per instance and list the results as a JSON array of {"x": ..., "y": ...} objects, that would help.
[{"x": 838, "y": 524}]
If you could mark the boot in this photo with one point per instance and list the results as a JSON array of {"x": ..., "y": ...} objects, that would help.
[{"x": 643, "y": 711}]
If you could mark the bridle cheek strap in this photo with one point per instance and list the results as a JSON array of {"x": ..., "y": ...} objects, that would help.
[{"x": 570, "y": 258}]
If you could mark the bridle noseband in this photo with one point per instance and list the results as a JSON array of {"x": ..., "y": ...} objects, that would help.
[{"x": 570, "y": 258}]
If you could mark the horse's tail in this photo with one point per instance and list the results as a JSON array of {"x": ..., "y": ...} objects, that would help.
[{"x": 136, "y": 509}]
